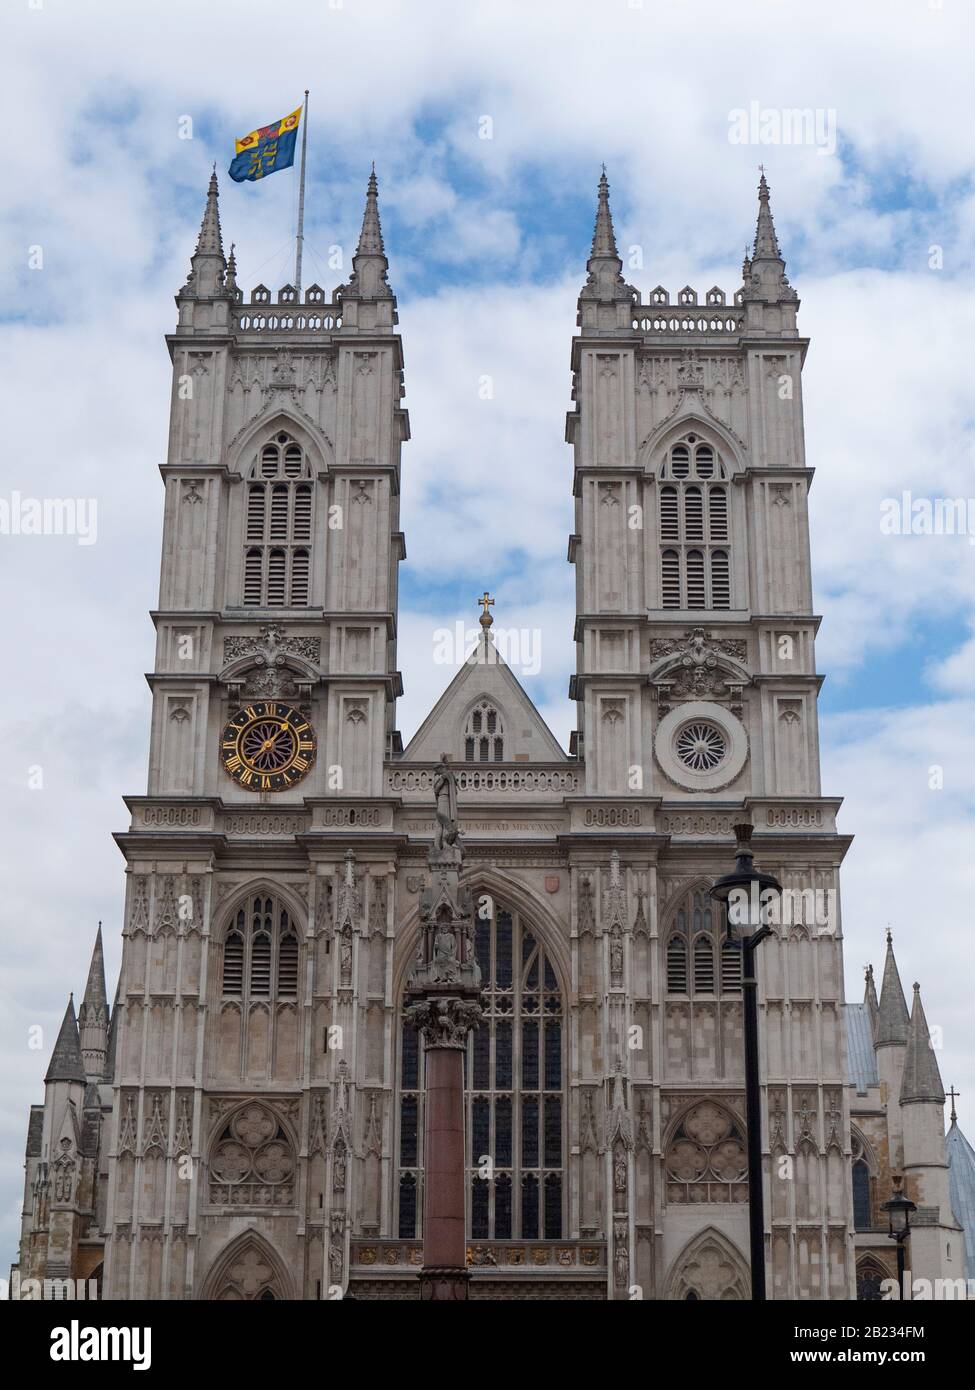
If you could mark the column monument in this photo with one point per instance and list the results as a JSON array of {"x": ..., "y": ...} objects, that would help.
[{"x": 443, "y": 993}]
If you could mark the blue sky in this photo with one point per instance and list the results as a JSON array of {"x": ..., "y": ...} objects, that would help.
[{"x": 487, "y": 242}]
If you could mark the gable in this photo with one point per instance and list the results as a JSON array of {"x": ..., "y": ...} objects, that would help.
[{"x": 489, "y": 683}]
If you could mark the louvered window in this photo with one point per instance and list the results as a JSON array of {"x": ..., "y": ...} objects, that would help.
[
  {"x": 704, "y": 965},
  {"x": 693, "y": 514},
  {"x": 261, "y": 953},
  {"x": 277, "y": 566},
  {"x": 677, "y": 965}
]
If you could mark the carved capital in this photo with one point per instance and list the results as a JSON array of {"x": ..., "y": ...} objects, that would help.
[{"x": 444, "y": 1022}]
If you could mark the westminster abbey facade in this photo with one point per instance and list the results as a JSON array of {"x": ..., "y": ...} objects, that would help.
[{"x": 246, "y": 1120}]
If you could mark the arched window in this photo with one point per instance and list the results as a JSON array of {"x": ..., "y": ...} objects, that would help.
[
  {"x": 699, "y": 957},
  {"x": 484, "y": 735},
  {"x": 694, "y": 514},
  {"x": 279, "y": 518},
  {"x": 260, "y": 953},
  {"x": 870, "y": 1277},
  {"x": 513, "y": 1095},
  {"x": 862, "y": 1185}
]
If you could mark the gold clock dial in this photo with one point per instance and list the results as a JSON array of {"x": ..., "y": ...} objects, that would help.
[{"x": 267, "y": 747}]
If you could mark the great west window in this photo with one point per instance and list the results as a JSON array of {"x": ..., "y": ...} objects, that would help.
[{"x": 513, "y": 1081}]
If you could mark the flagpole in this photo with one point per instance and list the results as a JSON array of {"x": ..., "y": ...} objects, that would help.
[{"x": 301, "y": 197}]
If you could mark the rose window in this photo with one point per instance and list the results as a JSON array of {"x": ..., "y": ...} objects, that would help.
[
  {"x": 253, "y": 1161},
  {"x": 701, "y": 747}
]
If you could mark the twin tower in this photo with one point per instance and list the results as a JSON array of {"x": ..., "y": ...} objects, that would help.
[{"x": 250, "y": 1125}]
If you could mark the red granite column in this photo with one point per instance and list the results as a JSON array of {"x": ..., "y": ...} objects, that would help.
[
  {"x": 444, "y": 1167},
  {"x": 446, "y": 1025}
]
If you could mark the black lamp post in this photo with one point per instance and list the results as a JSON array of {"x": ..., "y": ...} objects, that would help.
[
  {"x": 898, "y": 1210},
  {"x": 748, "y": 896}
]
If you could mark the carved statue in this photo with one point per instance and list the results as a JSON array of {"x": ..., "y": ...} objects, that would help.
[
  {"x": 445, "y": 792},
  {"x": 445, "y": 954}
]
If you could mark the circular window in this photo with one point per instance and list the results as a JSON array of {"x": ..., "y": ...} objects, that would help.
[{"x": 701, "y": 747}]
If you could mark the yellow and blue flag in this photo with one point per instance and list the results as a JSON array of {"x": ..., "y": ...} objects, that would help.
[{"x": 266, "y": 150}]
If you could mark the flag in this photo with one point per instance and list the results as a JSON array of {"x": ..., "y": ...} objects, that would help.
[{"x": 266, "y": 150}]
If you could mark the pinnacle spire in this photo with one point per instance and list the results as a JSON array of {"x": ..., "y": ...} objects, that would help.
[
  {"x": 892, "y": 1017},
  {"x": 763, "y": 273},
  {"x": 95, "y": 996},
  {"x": 921, "y": 1080},
  {"x": 870, "y": 999},
  {"x": 604, "y": 281},
  {"x": 66, "y": 1063},
  {"x": 207, "y": 264},
  {"x": 766, "y": 243},
  {"x": 93, "y": 1014},
  {"x": 369, "y": 264},
  {"x": 603, "y": 236}
]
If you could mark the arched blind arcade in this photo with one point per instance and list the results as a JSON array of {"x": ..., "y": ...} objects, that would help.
[
  {"x": 278, "y": 528},
  {"x": 695, "y": 566}
]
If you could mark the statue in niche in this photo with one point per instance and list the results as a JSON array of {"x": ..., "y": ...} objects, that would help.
[{"x": 445, "y": 954}]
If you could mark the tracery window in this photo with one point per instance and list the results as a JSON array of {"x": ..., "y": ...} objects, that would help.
[
  {"x": 870, "y": 1277},
  {"x": 514, "y": 1069},
  {"x": 706, "y": 1159},
  {"x": 484, "y": 735},
  {"x": 695, "y": 569},
  {"x": 278, "y": 528},
  {"x": 260, "y": 953},
  {"x": 700, "y": 959},
  {"x": 252, "y": 1162},
  {"x": 862, "y": 1185}
]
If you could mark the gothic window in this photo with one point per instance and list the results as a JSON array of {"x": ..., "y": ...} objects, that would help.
[
  {"x": 863, "y": 1185},
  {"x": 260, "y": 953},
  {"x": 695, "y": 570},
  {"x": 252, "y": 1161},
  {"x": 870, "y": 1277},
  {"x": 705, "y": 1158},
  {"x": 277, "y": 546},
  {"x": 699, "y": 958},
  {"x": 483, "y": 735},
  {"x": 513, "y": 1093}
]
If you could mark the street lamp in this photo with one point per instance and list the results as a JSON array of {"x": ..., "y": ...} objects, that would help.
[
  {"x": 898, "y": 1210},
  {"x": 748, "y": 896}
]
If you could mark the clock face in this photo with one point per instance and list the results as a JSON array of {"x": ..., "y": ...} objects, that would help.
[{"x": 267, "y": 747}]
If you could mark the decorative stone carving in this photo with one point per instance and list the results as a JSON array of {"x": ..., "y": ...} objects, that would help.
[{"x": 444, "y": 1022}]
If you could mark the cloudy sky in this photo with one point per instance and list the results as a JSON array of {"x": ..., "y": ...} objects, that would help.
[{"x": 487, "y": 240}]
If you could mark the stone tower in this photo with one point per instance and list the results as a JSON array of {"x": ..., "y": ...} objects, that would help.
[
  {"x": 273, "y": 700},
  {"x": 696, "y": 690}
]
